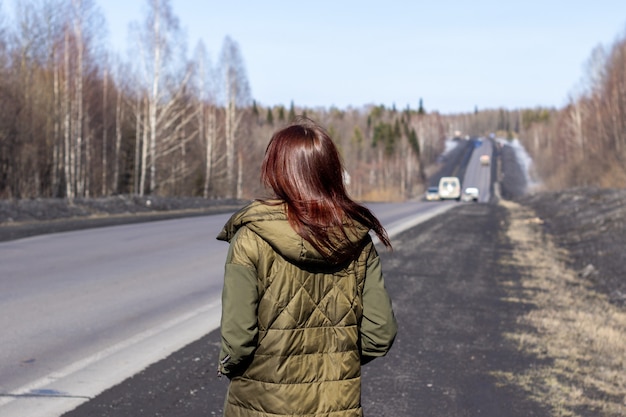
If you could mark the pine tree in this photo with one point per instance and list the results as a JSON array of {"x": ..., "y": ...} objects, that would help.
[
  {"x": 420, "y": 109},
  {"x": 270, "y": 117},
  {"x": 255, "y": 110},
  {"x": 292, "y": 112}
]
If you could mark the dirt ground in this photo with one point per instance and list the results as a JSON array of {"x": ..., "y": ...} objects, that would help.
[
  {"x": 575, "y": 328},
  {"x": 514, "y": 308},
  {"x": 590, "y": 224}
]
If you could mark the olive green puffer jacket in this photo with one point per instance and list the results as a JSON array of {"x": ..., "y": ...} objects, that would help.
[{"x": 295, "y": 329}]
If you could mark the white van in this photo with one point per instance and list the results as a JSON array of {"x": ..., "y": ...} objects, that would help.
[{"x": 449, "y": 188}]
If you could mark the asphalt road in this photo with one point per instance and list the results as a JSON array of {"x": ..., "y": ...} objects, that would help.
[
  {"x": 479, "y": 175},
  {"x": 446, "y": 278},
  {"x": 79, "y": 304}
]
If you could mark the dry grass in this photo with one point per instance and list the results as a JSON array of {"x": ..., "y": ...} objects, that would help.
[
  {"x": 614, "y": 176},
  {"x": 382, "y": 195},
  {"x": 578, "y": 335}
]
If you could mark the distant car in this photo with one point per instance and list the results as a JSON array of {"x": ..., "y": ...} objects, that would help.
[
  {"x": 432, "y": 194},
  {"x": 470, "y": 194},
  {"x": 484, "y": 159},
  {"x": 449, "y": 188}
]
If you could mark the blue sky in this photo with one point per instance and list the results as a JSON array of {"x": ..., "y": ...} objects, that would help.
[{"x": 455, "y": 55}]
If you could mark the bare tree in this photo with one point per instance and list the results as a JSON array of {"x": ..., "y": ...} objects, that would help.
[
  {"x": 120, "y": 111},
  {"x": 27, "y": 99},
  {"x": 236, "y": 96},
  {"x": 5, "y": 109},
  {"x": 105, "y": 129},
  {"x": 161, "y": 46},
  {"x": 78, "y": 48},
  {"x": 207, "y": 111}
]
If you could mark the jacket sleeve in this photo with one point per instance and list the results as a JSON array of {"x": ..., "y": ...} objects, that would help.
[
  {"x": 378, "y": 326},
  {"x": 240, "y": 299}
]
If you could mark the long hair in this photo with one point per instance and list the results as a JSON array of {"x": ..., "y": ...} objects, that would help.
[{"x": 304, "y": 169}]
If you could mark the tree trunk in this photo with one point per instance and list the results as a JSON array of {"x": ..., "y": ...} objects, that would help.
[
  {"x": 78, "y": 122},
  {"x": 210, "y": 136},
  {"x": 58, "y": 143},
  {"x": 138, "y": 169},
  {"x": 69, "y": 149},
  {"x": 104, "y": 190},
  {"x": 118, "y": 142},
  {"x": 239, "y": 174},
  {"x": 230, "y": 143},
  {"x": 144, "y": 152}
]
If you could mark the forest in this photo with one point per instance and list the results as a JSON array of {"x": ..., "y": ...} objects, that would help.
[{"x": 78, "y": 121}]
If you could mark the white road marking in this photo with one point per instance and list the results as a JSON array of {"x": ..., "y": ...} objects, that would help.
[
  {"x": 400, "y": 226},
  {"x": 65, "y": 389}
]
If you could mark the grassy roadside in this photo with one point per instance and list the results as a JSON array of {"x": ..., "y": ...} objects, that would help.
[{"x": 576, "y": 334}]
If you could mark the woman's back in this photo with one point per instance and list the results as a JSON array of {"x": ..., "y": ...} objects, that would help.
[{"x": 304, "y": 301}]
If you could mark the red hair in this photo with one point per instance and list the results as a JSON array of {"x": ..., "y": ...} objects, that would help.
[{"x": 303, "y": 167}]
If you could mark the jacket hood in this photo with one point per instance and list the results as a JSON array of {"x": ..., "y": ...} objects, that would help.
[{"x": 269, "y": 221}]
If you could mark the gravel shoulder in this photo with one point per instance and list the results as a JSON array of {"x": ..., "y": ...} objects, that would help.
[{"x": 590, "y": 225}]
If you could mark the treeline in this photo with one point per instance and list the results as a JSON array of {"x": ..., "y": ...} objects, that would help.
[
  {"x": 584, "y": 144},
  {"x": 77, "y": 120}
]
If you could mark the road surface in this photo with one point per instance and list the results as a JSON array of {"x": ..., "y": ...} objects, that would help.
[{"x": 479, "y": 175}]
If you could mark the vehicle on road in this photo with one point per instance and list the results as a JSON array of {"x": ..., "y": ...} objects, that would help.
[
  {"x": 432, "y": 194},
  {"x": 485, "y": 159},
  {"x": 470, "y": 194},
  {"x": 449, "y": 188}
]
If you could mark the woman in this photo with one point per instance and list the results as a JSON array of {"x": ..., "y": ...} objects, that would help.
[{"x": 304, "y": 303}]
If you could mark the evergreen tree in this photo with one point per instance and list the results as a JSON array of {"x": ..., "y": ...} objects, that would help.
[
  {"x": 270, "y": 117},
  {"x": 292, "y": 112},
  {"x": 414, "y": 142},
  {"x": 384, "y": 133},
  {"x": 396, "y": 129},
  {"x": 420, "y": 109},
  {"x": 255, "y": 110},
  {"x": 502, "y": 122}
]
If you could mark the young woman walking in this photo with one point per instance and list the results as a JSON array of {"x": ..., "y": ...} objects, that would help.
[{"x": 304, "y": 303}]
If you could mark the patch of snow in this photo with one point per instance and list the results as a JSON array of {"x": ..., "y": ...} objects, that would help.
[
  {"x": 449, "y": 145},
  {"x": 524, "y": 159}
]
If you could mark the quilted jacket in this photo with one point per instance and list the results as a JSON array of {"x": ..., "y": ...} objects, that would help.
[{"x": 296, "y": 328}]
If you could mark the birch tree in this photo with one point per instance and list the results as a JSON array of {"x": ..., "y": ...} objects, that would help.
[
  {"x": 236, "y": 96},
  {"x": 207, "y": 112},
  {"x": 119, "y": 120},
  {"x": 34, "y": 50},
  {"x": 105, "y": 130},
  {"x": 161, "y": 47},
  {"x": 82, "y": 25},
  {"x": 5, "y": 153}
]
